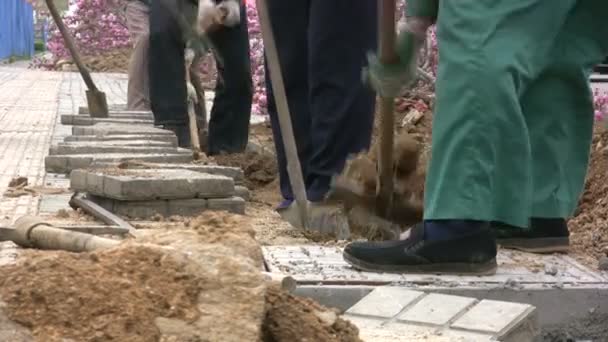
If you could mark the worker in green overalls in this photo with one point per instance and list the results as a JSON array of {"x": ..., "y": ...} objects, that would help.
[{"x": 511, "y": 130}]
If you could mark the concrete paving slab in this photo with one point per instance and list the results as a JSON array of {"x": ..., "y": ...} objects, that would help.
[
  {"x": 119, "y": 143},
  {"x": 92, "y": 148},
  {"x": 235, "y": 173},
  {"x": 437, "y": 309},
  {"x": 165, "y": 208},
  {"x": 242, "y": 192},
  {"x": 81, "y": 120},
  {"x": 233, "y": 204},
  {"x": 146, "y": 185},
  {"x": 171, "y": 139},
  {"x": 106, "y": 129},
  {"x": 66, "y": 163},
  {"x": 111, "y": 108},
  {"x": 385, "y": 302},
  {"x": 443, "y": 317}
]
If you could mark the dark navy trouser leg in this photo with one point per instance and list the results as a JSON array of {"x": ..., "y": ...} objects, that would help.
[
  {"x": 229, "y": 120},
  {"x": 290, "y": 27},
  {"x": 168, "y": 92},
  {"x": 341, "y": 33}
]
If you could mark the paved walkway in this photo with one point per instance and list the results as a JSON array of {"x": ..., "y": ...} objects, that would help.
[{"x": 31, "y": 102}]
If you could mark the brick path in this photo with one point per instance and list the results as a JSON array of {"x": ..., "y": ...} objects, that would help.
[{"x": 31, "y": 102}]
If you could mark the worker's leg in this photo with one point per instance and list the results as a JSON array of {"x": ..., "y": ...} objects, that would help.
[
  {"x": 138, "y": 97},
  {"x": 481, "y": 167},
  {"x": 168, "y": 92},
  {"x": 340, "y": 35},
  {"x": 290, "y": 27},
  {"x": 558, "y": 109},
  {"x": 229, "y": 121}
]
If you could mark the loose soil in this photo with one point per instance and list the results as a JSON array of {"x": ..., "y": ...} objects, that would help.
[
  {"x": 260, "y": 169},
  {"x": 589, "y": 227},
  {"x": 111, "y": 295},
  {"x": 290, "y": 318}
]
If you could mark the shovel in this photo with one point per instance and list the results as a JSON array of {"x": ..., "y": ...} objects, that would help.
[{"x": 96, "y": 100}]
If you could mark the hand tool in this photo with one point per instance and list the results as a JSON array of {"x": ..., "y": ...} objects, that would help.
[
  {"x": 96, "y": 100},
  {"x": 293, "y": 163}
]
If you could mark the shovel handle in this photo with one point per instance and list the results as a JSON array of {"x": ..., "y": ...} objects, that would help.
[
  {"x": 387, "y": 55},
  {"x": 69, "y": 43}
]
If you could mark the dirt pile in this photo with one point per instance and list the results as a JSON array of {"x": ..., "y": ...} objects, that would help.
[
  {"x": 260, "y": 169},
  {"x": 589, "y": 227},
  {"x": 111, "y": 295},
  {"x": 290, "y": 318},
  {"x": 360, "y": 176}
]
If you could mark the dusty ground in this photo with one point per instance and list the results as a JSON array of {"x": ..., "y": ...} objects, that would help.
[{"x": 199, "y": 280}]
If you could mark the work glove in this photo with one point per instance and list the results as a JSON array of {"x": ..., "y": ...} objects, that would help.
[
  {"x": 389, "y": 79},
  {"x": 230, "y": 13},
  {"x": 226, "y": 13}
]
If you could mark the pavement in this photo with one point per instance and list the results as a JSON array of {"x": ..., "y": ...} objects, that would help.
[{"x": 33, "y": 101}]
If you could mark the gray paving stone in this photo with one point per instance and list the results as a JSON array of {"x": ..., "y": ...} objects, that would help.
[
  {"x": 149, "y": 209},
  {"x": 437, "y": 309},
  {"x": 233, "y": 204},
  {"x": 116, "y": 129},
  {"x": 119, "y": 143},
  {"x": 81, "y": 120},
  {"x": 171, "y": 139},
  {"x": 66, "y": 163},
  {"x": 499, "y": 318},
  {"x": 385, "y": 302},
  {"x": 228, "y": 171},
  {"x": 242, "y": 192},
  {"x": 92, "y": 148},
  {"x": 398, "y": 314},
  {"x": 144, "y": 185},
  {"x": 111, "y": 107}
]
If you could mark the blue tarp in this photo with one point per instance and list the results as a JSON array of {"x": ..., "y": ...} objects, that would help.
[{"x": 16, "y": 29}]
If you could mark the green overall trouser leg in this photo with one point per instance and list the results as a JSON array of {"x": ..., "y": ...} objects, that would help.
[{"x": 514, "y": 112}]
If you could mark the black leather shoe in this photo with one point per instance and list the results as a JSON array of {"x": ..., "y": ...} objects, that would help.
[
  {"x": 544, "y": 236},
  {"x": 470, "y": 254}
]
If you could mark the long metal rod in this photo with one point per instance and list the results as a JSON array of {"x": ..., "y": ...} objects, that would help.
[
  {"x": 388, "y": 55},
  {"x": 278, "y": 87}
]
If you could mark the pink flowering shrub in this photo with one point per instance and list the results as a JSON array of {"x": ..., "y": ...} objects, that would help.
[
  {"x": 601, "y": 104},
  {"x": 97, "y": 26}
]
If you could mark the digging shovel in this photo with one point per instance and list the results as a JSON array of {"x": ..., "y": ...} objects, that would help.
[
  {"x": 293, "y": 163},
  {"x": 96, "y": 100}
]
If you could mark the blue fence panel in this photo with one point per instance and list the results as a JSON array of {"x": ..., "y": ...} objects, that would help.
[{"x": 16, "y": 28}]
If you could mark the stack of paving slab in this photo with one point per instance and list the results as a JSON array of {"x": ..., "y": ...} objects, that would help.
[
  {"x": 165, "y": 190},
  {"x": 155, "y": 177},
  {"x": 124, "y": 135}
]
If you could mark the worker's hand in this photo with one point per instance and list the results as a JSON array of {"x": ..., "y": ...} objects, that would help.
[
  {"x": 230, "y": 11},
  {"x": 388, "y": 80},
  {"x": 208, "y": 14}
]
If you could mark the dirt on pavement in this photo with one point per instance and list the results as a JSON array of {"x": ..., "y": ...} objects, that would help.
[{"x": 589, "y": 227}]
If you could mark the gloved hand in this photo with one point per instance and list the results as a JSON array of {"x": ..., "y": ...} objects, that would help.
[
  {"x": 230, "y": 12},
  {"x": 207, "y": 14},
  {"x": 388, "y": 80},
  {"x": 227, "y": 13}
]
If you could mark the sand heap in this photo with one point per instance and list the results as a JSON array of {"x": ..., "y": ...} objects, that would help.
[{"x": 200, "y": 283}]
